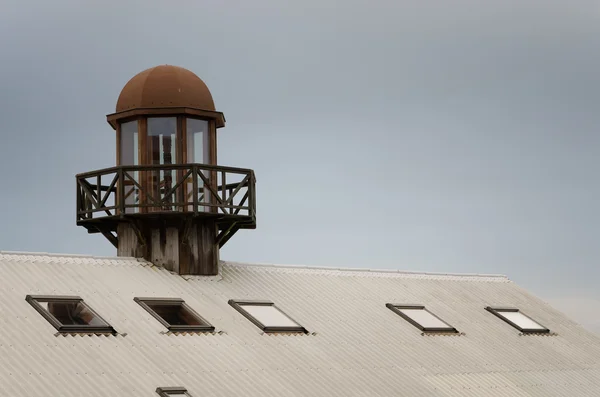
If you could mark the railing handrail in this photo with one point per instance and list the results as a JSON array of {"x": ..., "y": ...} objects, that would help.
[
  {"x": 126, "y": 168},
  {"x": 93, "y": 196},
  {"x": 229, "y": 186}
]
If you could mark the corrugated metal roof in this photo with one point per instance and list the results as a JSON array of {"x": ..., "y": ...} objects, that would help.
[{"x": 356, "y": 346}]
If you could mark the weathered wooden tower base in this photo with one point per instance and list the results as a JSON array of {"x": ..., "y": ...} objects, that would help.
[{"x": 184, "y": 247}]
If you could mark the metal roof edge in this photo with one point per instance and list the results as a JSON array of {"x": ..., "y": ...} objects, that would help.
[{"x": 365, "y": 270}]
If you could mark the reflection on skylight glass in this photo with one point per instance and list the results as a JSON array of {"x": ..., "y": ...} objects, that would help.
[
  {"x": 424, "y": 318},
  {"x": 69, "y": 314},
  {"x": 72, "y": 313},
  {"x": 521, "y": 320},
  {"x": 269, "y": 316}
]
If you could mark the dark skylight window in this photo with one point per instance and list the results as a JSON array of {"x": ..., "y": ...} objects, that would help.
[
  {"x": 266, "y": 316},
  {"x": 518, "y": 320},
  {"x": 172, "y": 391},
  {"x": 69, "y": 314},
  {"x": 175, "y": 314},
  {"x": 421, "y": 318}
]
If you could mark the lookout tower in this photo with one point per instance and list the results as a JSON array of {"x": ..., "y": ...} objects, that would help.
[{"x": 167, "y": 200}]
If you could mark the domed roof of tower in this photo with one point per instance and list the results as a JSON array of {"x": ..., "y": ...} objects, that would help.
[{"x": 165, "y": 86}]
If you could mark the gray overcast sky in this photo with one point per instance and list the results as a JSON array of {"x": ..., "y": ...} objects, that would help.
[{"x": 449, "y": 136}]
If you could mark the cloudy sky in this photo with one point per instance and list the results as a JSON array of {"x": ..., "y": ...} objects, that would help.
[{"x": 443, "y": 136}]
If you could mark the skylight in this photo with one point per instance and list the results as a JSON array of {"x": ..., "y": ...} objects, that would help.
[
  {"x": 518, "y": 320},
  {"x": 175, "y": 314},
  {"x": 172, "y": 391},
  {"x": 421, "y": 318},
  {"x": 69, "y": 314},
  {"x": 267, "y": 316}
]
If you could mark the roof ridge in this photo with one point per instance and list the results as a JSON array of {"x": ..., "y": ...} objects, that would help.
[
  {"x": 366, "y": 270},
  {"x": 270, "y": 265},
  {"x": 58, "y": 255}
]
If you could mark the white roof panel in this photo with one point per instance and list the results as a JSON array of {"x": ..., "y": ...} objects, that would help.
[{"x": 353, "y": 348}]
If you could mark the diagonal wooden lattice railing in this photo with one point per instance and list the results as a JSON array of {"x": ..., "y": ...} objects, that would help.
[{"x": 226, "y": 193}]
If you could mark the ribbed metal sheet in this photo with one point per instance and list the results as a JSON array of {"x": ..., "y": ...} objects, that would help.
[{"x": 356, "y": 346}]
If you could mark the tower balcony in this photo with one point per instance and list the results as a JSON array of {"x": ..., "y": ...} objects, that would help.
[{"x": 169, "y": 195}]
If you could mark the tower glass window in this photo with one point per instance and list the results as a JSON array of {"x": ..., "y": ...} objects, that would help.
[
  {"x": 129, "y": 143},
  {"x": 197, "y": 141},
  {"x": 162, "y": 140},
  {"x": 129, "y": 155},
  {"x": 162, "y": 149},
  {"x": 421, "y": 318},
  {"x": 69, "y": 314},
  {"x": 198, "y": 151}
]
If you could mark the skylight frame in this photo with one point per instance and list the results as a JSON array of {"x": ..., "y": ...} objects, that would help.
[
  {"x": 207, "y": 327},
  {"x": 35, "y": 300},
  {"x": 239, "y": 306},
  {"x": 172, "y": 391},
  {"x": 397, "y": 308},
  {"x": 497, "y": 311}
]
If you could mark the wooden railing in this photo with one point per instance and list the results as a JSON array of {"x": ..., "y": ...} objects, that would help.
[{"x": 197, "y": 189}]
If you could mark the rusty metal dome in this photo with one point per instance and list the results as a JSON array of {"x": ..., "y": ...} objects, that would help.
[{"x": 165, "y": 86}]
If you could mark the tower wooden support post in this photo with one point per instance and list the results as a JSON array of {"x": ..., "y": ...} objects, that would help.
[{"x": 184, "y": 249}]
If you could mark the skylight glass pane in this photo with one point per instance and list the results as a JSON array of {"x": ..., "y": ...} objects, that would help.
[
  {"x": 72, "y": 313},
  {"x": 424, "y": 318},
  {"x": 269, "y": 316},
  {"x": 175, "y": 314},
  {"x": 69, "y": 314},
  {"x": 521, "y": 320}
]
